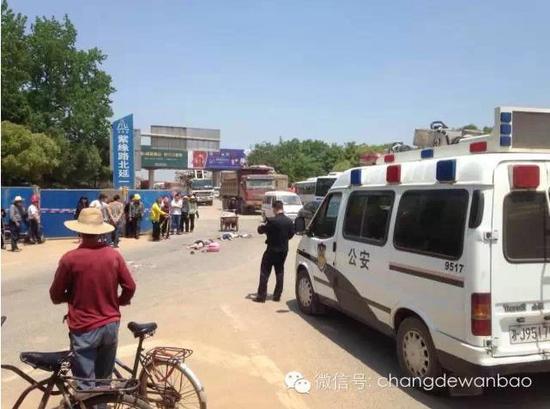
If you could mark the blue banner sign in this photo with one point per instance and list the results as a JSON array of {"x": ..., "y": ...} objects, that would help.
[
  {"x": 225, "y": 159},
  {"x": 123, "y": 152}
]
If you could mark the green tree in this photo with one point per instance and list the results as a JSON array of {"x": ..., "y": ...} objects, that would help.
[
  {"x": 58, "y": 90},
  {"x": 342, "y": 165},
  {"x": 302, "y": 159},
  {"x": 27, "y": 157},
  {"x": 15, "y": 66}
]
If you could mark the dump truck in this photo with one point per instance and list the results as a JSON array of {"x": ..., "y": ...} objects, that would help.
[
  {"x": 244, "y": 189},
  {"x": 198, "y": 183}
]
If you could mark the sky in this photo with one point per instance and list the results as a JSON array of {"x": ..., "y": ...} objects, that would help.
[{"x": 340, "y": 71}]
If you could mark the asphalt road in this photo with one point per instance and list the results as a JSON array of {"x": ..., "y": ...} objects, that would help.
[{"x": 243, "y": 350}]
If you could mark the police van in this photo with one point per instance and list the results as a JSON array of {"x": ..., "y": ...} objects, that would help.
[{"x": 445, "y": 248}]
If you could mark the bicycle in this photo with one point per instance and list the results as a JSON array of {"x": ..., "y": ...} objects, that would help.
[
  {"x": 165, "y": 381},
  {"x": 106, "y": 393}
]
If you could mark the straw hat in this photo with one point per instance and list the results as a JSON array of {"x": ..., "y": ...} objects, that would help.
[{"x": 90, "y": 221}]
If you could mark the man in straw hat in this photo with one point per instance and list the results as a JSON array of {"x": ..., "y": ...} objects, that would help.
[
  {"x": 87, "y": 279},
  {"x": 16, "y": 217}
]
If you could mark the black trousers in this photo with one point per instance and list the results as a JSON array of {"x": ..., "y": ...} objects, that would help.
[
  {"x": 191, "y": 222},
  {"x": 34, "y": 231},
  {"x": 164, "y": 228},
  {"x": 184, "y": 222},
  {"x": 272, "y": 259},
  {"x": 14, "y": 235},
  {"x": 134, "y": 228},
  {"x": 156, "y": 231}
]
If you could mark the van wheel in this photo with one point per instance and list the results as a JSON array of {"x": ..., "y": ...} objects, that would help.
[
  {"x": 415, "y": 350},
  {"x": 308, "y": 301}
]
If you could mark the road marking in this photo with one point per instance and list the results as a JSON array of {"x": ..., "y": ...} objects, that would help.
[
  {"x": 236, "y": 322},
  {"x": 257, "y": 365}
]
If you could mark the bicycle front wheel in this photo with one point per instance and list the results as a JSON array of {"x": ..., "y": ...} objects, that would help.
[
  {"x": 167, "y": 385},
  {"x": 115, "y": 401}
]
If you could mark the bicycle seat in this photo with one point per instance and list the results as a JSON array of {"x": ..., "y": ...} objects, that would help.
[
  {"x": 47, "y": 361},
  {"x": 140, "y": 330}
]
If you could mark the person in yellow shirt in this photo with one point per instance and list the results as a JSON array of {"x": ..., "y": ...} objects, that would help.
[{"x": 156, "y": 212}]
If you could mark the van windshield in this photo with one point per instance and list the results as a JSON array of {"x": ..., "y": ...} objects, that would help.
[
  {"x": 526, "y": 227},
  {"x": 290, "y": 200}
]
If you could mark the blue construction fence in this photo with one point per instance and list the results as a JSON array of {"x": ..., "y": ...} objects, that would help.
[{"x": 59, "y": 205}]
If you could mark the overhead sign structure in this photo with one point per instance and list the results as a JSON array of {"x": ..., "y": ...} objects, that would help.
[
  {"x": 225, "y": 159},
  {"x": 123, "y": 152},
  {"x": 154, "y": 158}
]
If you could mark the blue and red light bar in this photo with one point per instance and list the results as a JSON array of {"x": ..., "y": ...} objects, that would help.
[
  {"x": 355, "y": 177},
  {"x": 477, "y": 147},
  {"x": 393, "y": 174},
  {"x": 505, "y": 129},
  {"x": 525, "y": 176},
  {"x": 446, "y": 171},
  {"x": 427, "y": 153},
  {"x": 389, "y": 158}
]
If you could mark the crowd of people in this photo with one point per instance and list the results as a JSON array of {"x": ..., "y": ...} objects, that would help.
[
  {"x": 18, "y": 216},
  {"x": 170, "y": 214},
  {"x": 174, "y": 214}
]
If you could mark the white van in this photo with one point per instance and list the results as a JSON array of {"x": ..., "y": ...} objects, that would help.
[
  {"x": 447, "y": 249},
  {"x": 291, "y": 201}
]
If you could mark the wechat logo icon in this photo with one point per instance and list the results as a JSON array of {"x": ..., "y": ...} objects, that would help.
[{"x": 295, "y": 380}]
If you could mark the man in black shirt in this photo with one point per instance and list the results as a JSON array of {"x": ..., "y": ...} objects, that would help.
[{"x": 279, "y": 230}]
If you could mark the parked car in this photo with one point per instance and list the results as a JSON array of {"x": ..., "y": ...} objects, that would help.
[
  {"x": 308, "y": 211},
  {"x": 291, "y": 202}
]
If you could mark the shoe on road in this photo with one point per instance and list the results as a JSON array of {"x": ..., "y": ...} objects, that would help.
[{"x": 258, "y": 299}]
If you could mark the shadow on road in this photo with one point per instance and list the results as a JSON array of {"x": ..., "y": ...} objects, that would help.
[{"x": 377, "y": 352}]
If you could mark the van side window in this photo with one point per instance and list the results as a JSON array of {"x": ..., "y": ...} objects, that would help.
[
  {"x": 368, "y": 216},
  {"x": 324, "y": 224},
  {"x": 432, "y": 222},
  {"x": 476, "y": 209},
  {"x": 526, "y": 228}
]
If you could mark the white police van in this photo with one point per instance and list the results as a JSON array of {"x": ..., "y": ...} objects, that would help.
[{"x": 447, "y": 249}]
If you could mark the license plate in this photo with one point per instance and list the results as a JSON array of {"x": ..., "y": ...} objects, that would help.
[{"x": 521, "y": 334}]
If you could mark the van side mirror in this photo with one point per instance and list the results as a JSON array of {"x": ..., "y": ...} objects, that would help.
[{"x": 300, "y": 225}]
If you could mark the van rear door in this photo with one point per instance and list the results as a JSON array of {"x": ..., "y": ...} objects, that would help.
[{"x": 520, "y": 256}]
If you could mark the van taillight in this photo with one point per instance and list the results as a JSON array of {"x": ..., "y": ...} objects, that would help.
[{"x": 481, "y": 314}]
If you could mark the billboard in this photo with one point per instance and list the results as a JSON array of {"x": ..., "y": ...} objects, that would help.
[
  {"x": 225, "y": 159},
  {"x": 123, "y": 152},
  {"x": 155, "y": 158}
]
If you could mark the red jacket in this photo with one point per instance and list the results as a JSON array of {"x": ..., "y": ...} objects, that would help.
[{"x": 88, "y": 279}]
